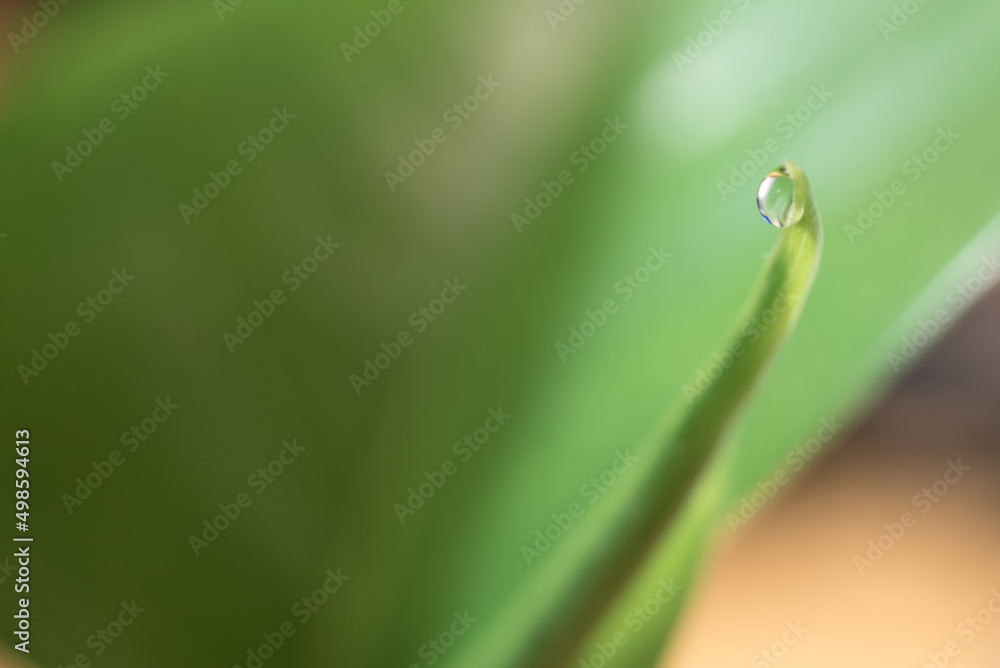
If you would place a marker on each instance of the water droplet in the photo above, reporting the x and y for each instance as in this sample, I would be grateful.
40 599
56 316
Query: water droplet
774 197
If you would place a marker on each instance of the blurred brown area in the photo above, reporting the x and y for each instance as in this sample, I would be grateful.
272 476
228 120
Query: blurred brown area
801 585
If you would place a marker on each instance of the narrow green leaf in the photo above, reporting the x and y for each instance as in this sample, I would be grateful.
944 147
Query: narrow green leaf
548 619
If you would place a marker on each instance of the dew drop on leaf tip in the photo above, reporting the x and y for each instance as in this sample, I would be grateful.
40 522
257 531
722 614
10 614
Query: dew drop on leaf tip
774 197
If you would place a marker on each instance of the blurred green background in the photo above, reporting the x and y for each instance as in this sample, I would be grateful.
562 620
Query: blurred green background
684 126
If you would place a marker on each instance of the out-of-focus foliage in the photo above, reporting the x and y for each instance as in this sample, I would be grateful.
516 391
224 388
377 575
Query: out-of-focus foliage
879 99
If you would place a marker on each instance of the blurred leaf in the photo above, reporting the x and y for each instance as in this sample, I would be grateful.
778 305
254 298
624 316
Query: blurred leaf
689 130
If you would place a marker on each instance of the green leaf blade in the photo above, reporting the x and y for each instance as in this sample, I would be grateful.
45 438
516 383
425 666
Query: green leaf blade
548 620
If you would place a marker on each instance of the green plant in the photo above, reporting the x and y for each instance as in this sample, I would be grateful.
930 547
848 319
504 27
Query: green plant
548 623
661 189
